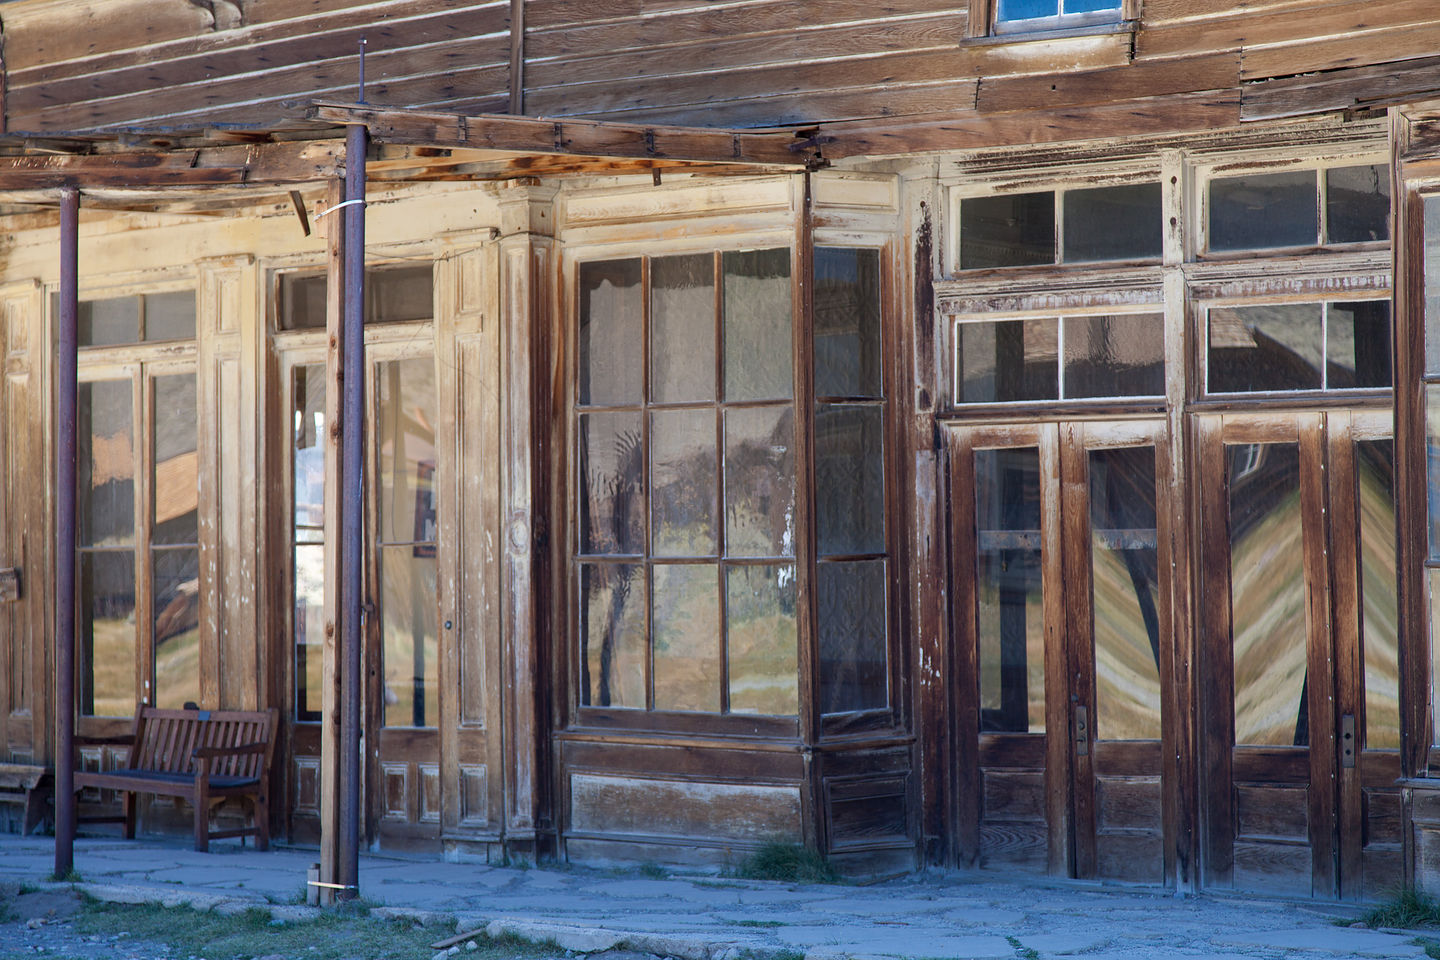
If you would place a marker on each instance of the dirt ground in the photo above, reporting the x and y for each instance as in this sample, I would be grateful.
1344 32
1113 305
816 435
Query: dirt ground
35 923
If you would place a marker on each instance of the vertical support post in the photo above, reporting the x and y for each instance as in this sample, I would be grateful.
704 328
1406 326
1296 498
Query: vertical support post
67 377
352 506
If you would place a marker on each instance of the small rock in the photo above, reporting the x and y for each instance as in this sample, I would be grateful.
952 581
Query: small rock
1358 925
277 921
472 945
442 955
454 951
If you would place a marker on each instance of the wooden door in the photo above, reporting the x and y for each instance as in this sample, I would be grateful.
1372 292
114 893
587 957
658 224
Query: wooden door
1062 614
1300 722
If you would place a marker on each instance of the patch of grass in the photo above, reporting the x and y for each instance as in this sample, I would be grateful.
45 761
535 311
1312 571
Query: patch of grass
70 876
1022 951
1409 908
758 923
789 862
345 931
652 870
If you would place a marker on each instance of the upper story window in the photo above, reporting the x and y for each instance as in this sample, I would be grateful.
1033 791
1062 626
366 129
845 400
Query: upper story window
1017 16
1298 208
1091 225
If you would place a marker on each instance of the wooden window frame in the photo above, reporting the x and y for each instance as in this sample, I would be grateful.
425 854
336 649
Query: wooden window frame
981 22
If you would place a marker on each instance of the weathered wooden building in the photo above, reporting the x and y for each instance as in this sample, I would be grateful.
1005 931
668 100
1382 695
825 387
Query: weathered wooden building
991 432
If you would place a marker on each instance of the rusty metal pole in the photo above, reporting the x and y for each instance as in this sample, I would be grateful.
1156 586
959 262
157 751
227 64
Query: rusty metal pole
352 506
67 378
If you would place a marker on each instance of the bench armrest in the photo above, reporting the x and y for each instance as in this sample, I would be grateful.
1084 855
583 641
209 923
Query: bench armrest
121 740
210 753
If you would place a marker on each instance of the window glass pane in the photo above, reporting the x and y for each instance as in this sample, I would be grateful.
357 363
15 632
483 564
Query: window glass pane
106 463
686 625
170 316
1357 344
760 482
176 486
103 322
1432 286
612 501
1357 203
301 303
405 438
409 607
1027 9
309 627
1124 584
757 325
612 635
760 639
308 415
850 618
1380 612
176 584
105 651
1267 594
1090 6
393 294
1115 356
683 485
1113 223
610 324
847 323
849 479
1271 347
1002 361
1264 210
1010 627
1432 467
682 328
1433 576
1007 231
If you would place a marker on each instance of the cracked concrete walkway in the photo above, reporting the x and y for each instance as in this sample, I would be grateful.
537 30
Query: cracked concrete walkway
952 914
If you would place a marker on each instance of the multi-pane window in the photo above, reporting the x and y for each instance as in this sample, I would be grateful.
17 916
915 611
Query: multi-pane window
1329 345
1431 386
1025 15
1089 225
1299 208
687 425
137 519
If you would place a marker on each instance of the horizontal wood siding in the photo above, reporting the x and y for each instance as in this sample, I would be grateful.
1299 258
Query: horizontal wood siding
166 63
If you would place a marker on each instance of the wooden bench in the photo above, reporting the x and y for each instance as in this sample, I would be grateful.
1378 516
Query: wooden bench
29 787
203 756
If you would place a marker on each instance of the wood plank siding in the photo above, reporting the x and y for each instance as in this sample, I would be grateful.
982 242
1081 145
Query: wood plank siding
890 77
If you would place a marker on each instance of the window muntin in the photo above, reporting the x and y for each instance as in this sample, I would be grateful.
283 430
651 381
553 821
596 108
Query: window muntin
1298 208
136 435
1088 356
394 293
1089 225
1313 346
1028 15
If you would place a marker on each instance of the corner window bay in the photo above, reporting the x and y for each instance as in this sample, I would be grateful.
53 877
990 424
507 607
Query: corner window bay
732 568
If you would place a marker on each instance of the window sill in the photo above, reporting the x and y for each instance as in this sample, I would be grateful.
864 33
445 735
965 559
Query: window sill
1115 28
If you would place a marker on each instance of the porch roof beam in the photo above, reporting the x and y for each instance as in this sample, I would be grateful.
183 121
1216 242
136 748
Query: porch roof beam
572 137
261 163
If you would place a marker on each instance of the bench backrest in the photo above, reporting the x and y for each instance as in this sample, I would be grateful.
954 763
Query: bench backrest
165 739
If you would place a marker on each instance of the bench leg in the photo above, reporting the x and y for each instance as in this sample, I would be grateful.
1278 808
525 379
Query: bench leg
262 822
202 818
129 806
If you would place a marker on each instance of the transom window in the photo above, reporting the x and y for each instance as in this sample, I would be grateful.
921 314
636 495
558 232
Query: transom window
1087 356
394 293
1091 225
1299 208
1331 345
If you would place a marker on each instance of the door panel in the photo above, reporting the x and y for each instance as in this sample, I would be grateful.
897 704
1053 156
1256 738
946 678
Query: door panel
1297 519
1060 607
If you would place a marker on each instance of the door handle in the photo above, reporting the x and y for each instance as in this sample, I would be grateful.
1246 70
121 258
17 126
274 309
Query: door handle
1082 731
1347 740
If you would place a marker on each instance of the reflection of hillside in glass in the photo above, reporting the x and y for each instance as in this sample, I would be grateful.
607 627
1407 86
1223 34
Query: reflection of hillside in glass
760 630
612 635
1124 574
1380 611
1267 594
686 629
